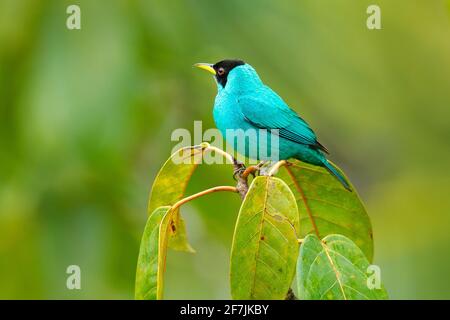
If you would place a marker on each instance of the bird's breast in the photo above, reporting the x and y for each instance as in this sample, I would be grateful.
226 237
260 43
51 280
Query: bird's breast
227 114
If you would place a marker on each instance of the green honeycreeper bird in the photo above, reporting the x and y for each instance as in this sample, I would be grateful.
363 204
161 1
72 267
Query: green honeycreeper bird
244 102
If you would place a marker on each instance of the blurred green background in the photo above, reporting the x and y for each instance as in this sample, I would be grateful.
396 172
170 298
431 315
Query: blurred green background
86 118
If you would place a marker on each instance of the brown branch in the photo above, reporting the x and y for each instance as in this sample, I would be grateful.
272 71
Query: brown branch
290 295
242 181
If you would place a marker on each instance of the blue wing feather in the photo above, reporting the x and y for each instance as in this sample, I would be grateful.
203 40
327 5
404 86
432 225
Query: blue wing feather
266 110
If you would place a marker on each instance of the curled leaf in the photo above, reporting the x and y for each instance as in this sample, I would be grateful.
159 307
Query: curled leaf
152 256
169 187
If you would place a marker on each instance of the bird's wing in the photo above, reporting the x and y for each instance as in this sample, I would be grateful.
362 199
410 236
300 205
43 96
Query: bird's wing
266 110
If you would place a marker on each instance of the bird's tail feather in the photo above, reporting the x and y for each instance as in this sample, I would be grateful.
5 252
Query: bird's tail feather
337 175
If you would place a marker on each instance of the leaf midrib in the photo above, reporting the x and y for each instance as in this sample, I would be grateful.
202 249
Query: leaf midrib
259 240
336 272
302 194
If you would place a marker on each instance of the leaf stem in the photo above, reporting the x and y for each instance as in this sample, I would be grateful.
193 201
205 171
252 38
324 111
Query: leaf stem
276 167
223 153
202 193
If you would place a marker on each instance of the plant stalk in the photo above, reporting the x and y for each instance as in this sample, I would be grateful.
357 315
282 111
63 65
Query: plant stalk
202 193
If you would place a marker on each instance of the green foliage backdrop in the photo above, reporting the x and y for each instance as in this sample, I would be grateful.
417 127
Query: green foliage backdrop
86 118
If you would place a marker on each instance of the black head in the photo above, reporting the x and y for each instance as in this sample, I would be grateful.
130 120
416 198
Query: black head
223 68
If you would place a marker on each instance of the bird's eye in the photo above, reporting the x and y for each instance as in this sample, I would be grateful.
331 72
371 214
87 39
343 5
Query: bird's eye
221 71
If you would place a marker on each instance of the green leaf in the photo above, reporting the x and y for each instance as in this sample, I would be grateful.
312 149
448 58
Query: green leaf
326 207
177 233
169 187
152 256
172 179
334 268
265 246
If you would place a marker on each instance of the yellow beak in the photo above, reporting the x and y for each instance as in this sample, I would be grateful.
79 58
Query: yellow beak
206 66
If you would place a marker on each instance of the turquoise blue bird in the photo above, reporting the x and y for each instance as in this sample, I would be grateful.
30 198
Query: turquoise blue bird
244 102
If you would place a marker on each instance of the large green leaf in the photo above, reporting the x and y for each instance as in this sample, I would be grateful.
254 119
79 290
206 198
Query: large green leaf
334 268
326 207
152 256
265 246
169 187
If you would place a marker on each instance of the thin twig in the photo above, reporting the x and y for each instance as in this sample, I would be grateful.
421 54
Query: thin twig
202 193
229 157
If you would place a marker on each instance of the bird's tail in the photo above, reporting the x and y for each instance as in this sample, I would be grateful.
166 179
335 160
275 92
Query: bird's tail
336 174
